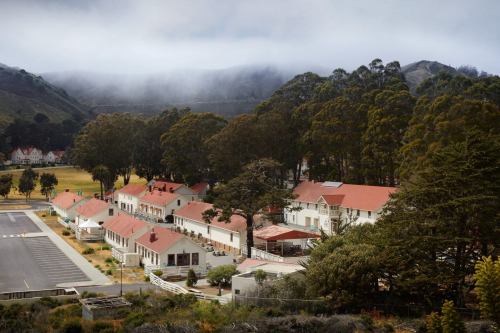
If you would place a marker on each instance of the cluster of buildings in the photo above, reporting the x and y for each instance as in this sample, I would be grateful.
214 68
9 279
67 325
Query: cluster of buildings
161 225
33 156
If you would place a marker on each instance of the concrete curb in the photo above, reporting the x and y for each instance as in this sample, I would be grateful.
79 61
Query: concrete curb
95 276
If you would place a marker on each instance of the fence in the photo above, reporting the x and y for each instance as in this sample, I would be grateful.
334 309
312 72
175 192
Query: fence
176 289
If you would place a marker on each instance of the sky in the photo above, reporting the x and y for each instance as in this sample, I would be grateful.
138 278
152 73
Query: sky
151 36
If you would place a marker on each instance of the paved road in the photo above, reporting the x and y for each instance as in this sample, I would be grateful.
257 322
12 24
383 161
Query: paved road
115 288
35 204
16 223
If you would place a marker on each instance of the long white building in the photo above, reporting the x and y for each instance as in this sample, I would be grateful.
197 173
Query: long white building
322 204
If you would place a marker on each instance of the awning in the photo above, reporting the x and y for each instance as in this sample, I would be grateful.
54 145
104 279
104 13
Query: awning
275 232
89 224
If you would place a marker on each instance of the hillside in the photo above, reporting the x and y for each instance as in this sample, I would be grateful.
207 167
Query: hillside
24 95
226 92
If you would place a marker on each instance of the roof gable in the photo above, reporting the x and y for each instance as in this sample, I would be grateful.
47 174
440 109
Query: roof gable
194 211
159 198
92 207
65 200
133 189
164 239
124 225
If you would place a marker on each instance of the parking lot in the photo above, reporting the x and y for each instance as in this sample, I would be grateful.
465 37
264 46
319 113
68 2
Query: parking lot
29 259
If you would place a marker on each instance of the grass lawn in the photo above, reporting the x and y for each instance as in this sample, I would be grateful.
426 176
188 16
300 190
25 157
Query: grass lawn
70 178
101 258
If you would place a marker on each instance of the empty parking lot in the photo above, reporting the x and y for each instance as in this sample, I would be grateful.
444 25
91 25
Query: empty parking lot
33 262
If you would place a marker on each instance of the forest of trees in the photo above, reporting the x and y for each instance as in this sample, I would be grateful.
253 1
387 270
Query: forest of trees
441 147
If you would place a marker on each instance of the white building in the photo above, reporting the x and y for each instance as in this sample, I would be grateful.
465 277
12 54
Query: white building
172 252
128 197
322 205
90 217
244 284
54 156
159 205
29 155
230 237
121 232
66 203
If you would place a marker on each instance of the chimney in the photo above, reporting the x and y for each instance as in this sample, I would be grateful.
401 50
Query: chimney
66 190
165 187
74 200
150 188
171 190
152 236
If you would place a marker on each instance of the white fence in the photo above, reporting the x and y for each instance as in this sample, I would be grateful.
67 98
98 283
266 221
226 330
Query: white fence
176 289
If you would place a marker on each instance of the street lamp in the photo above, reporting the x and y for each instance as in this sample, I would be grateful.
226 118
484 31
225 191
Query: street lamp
121 278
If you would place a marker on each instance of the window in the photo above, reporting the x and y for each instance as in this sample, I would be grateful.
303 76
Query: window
369 214
110 212
231 237
237 291
178 202
156 255
208 229
316 206
195 259
308 221
357 212
183 259
171 260
308 205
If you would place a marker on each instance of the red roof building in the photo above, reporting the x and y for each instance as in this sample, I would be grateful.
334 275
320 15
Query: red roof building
66 200
92 207
121 231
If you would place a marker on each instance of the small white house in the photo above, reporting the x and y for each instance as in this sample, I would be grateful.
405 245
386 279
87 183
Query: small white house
230 237
66 203
159 204
172 252
322 205
192 193
90 217
128 197
244 283
121 232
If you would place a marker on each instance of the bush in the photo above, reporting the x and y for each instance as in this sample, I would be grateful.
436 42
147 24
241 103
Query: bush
134 319
450 319
487 278
158 272
109 272
66 232
147 279
192 279
88 250
433 323
88 294
109 260
72 326
102 327
105 247
221 275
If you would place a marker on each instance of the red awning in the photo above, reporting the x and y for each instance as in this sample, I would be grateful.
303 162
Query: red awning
275 232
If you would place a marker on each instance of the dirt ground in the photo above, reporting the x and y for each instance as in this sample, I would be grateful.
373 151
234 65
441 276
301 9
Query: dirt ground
100 255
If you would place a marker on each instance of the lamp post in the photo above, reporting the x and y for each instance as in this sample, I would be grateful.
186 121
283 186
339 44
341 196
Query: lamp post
121 278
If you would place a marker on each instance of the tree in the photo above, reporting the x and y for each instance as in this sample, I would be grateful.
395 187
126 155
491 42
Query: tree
101 173
147 148
260 276
27 182
48 182
487 278
442 220
185 149
221 275
450 319
252 192
5 185
192 279
108 140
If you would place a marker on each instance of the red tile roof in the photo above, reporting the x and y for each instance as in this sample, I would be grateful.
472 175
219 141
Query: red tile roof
199 187
166 186
164 239
92 207
276 232
194 211
364 197
65 200
133 189
159 198
124 225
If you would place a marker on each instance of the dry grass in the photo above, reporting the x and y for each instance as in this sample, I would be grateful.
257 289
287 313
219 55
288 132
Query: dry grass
98 258
70 178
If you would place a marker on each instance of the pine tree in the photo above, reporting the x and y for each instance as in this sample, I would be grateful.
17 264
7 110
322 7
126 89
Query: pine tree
433 323
487 278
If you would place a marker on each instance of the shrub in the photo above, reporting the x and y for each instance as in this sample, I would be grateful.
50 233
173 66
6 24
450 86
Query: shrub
105 247
450 319
109 260
221 275
88 250
88 294
102 327
109 272
487 278
134 319
158 272
192 279
146 278
260 276
72 326
433 323
66 232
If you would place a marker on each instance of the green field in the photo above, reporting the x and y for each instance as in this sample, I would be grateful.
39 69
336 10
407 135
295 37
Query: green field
70 178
